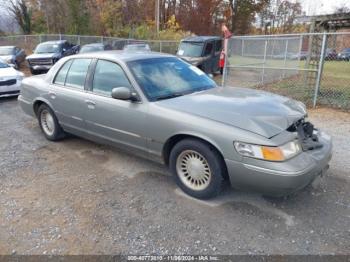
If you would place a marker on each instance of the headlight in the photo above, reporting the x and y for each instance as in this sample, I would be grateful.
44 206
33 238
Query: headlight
269 153
19 77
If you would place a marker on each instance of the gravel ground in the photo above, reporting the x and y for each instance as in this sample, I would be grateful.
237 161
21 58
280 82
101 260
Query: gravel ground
77 197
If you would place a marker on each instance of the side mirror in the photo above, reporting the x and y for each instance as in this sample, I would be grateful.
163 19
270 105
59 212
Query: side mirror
123 93
64 50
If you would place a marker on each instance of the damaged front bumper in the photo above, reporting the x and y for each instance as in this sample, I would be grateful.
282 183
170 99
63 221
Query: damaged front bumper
283 178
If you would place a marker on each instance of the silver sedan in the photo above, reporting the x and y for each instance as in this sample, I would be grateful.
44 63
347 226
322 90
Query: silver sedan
164 109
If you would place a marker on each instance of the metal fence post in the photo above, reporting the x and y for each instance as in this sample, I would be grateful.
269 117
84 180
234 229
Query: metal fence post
224 73
40 39
285 58
320 68
263 69
242 47
160 46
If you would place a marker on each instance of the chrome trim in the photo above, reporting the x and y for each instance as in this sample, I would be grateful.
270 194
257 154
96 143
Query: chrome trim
21 99
115 129
77 118
278 172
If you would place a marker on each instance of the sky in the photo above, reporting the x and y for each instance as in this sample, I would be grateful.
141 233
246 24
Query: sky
320 7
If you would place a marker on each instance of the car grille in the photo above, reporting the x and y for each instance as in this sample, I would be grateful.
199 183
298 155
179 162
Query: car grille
40 61
9 82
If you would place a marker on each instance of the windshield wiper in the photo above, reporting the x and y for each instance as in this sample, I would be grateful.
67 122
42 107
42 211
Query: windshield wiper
168 96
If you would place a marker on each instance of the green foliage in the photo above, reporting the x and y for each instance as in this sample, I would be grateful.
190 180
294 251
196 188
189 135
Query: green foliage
78 17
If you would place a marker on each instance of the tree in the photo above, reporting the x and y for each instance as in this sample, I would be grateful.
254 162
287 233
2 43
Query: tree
243 14
22 14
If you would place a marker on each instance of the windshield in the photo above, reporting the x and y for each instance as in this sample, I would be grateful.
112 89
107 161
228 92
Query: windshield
87 49
162 78
47 48
346 50
192 49
6 50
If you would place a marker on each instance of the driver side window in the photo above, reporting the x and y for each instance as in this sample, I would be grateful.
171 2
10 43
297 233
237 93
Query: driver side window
108 75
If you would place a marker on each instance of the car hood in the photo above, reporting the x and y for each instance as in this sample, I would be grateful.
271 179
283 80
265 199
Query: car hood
8 73
194 60
256 111
43 55
6 57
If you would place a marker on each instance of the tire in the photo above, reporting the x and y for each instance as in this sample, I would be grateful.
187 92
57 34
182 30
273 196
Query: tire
203 165
49 124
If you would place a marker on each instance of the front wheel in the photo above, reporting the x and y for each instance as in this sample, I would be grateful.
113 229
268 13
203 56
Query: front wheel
49 124
197 168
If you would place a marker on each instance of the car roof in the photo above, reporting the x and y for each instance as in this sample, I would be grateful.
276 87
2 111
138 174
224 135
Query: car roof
200 38
8 46
122 55
133 44
94 44
54 42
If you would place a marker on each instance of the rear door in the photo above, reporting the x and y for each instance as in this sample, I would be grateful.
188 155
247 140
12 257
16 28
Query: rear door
67 93
216 56
208 52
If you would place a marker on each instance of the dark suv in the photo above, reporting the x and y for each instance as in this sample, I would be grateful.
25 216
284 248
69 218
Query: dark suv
202 51
48 53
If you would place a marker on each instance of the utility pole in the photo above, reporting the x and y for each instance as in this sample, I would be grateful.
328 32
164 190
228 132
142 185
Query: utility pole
157 13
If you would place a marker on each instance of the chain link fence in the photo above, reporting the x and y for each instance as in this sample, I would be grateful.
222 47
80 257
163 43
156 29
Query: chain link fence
313 68
29 42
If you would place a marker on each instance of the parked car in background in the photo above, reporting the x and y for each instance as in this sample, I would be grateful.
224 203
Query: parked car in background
10 80
164 109
330 54
202 51
344 54
95 47
137 47
12 55
302 55
48 53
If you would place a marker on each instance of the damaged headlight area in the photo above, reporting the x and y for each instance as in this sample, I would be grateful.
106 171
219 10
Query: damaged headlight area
269 153
307 135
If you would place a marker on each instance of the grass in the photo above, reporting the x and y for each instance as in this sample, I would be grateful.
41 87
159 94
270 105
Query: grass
335 83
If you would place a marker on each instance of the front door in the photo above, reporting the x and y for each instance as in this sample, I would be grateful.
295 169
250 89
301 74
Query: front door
121 122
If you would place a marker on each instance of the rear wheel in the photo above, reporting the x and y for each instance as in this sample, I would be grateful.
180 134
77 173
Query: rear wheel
197 168
49 124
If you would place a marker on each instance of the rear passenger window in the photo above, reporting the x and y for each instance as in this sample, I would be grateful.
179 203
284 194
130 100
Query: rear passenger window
208 48
61 75
108 75
77 73
218 46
